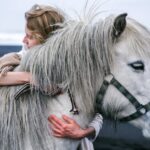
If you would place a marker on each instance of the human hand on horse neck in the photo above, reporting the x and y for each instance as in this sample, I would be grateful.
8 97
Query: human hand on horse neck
68 128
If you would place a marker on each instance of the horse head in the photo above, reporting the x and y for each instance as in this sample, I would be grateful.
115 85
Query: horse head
124 94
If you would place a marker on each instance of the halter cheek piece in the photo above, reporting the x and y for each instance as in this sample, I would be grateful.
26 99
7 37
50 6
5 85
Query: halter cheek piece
52 93
74 108
140 109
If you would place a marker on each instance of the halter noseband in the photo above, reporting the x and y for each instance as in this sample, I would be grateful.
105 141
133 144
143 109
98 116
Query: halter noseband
140 109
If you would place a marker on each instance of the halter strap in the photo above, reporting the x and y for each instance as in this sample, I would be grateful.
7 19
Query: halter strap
74 108
53 92
140 109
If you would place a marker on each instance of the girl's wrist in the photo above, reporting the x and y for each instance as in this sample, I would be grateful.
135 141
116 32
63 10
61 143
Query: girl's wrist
88 132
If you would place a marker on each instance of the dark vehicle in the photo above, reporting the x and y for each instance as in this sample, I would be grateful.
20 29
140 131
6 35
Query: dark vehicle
120 136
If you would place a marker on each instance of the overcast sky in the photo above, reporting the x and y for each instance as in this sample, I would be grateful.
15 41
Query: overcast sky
12 11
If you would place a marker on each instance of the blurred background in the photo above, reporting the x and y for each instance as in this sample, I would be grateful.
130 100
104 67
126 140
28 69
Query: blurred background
13 22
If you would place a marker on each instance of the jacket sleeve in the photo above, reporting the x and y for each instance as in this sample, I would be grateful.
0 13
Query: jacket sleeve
11 59
96 123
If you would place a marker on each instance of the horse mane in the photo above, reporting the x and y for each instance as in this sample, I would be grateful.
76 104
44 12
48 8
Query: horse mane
77 55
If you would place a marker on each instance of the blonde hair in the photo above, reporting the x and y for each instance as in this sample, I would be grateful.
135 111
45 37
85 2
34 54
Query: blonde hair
42 20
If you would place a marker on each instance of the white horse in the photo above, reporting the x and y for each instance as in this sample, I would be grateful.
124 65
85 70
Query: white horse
79 55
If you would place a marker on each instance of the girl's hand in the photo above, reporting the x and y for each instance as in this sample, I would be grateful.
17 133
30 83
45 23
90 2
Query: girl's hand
67 128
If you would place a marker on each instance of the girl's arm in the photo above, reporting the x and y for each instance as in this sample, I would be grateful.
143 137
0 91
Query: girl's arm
14 78
69 128
96 123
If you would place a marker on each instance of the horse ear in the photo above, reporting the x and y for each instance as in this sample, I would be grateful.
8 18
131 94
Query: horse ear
119 25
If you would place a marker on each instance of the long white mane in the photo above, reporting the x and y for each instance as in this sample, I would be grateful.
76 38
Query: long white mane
77 55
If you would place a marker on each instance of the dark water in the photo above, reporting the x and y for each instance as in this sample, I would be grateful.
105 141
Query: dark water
9 48
122 137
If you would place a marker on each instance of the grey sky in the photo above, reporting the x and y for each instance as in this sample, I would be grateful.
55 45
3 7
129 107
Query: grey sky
12 11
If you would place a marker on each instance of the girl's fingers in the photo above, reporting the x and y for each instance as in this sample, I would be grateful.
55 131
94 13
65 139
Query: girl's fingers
57 131
68 119
55 125
58 135
56 120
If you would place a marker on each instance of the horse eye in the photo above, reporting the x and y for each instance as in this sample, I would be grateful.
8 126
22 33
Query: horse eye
137 66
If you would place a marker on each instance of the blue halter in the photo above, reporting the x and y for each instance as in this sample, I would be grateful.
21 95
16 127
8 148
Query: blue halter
140 109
